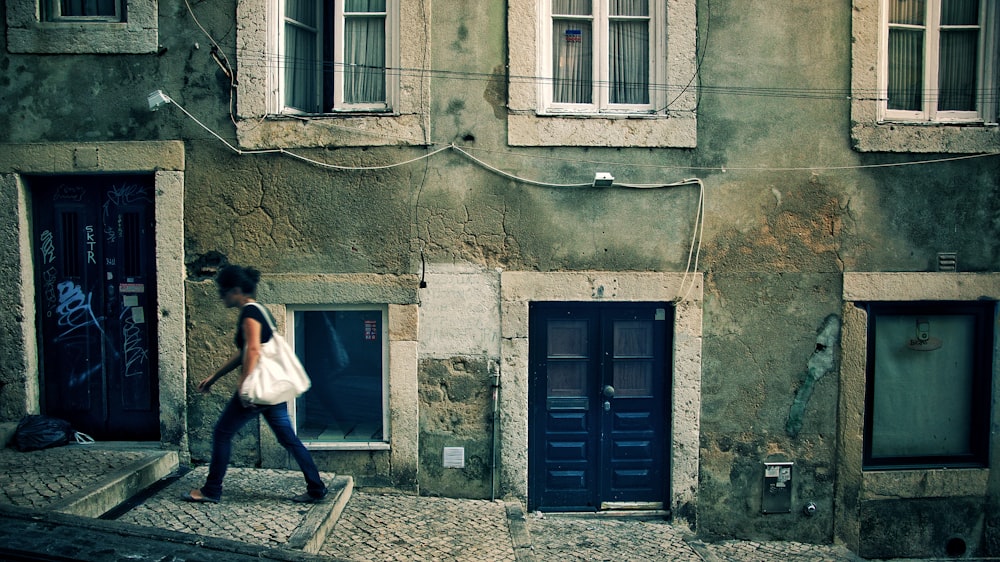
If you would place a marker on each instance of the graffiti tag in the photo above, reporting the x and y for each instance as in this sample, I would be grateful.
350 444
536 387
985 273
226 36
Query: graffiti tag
135 354
48 247
74 310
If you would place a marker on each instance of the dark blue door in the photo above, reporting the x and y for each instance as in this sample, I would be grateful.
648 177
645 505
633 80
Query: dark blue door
94 263
598 392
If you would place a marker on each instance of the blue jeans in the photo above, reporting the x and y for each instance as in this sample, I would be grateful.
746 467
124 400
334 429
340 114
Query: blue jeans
235 416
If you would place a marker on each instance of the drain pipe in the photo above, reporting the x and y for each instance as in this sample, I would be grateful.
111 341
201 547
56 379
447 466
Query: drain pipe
495 384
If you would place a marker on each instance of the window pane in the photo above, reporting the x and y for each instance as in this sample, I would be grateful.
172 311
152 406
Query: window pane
572 7
567 338
364 6
302 12
629 65
633 339
959 12
957 72
300 54
923 387
567 378
73 8
633 378
572 62
364 59
906 69
342 352
907 11
629 7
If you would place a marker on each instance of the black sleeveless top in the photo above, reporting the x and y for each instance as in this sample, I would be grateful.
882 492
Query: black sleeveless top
252 311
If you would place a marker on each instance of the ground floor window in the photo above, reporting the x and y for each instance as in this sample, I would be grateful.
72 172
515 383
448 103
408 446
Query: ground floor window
929 384
344 350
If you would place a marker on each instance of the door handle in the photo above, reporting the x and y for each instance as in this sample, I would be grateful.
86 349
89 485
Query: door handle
609 391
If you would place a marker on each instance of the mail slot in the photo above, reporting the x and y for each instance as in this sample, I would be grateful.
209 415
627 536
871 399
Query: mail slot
777 487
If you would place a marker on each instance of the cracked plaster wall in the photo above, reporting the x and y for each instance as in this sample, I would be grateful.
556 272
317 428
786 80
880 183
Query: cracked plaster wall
776 241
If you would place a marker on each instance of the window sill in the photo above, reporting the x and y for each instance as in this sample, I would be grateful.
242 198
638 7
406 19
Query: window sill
925 137
26 34
346 446
924 483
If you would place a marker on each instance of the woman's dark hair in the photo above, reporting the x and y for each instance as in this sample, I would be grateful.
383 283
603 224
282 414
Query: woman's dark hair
231 276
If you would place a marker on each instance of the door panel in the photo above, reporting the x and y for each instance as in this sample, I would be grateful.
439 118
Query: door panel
94 268
598 392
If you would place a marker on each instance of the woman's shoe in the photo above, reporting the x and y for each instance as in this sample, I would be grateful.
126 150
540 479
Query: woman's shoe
199 498
307 498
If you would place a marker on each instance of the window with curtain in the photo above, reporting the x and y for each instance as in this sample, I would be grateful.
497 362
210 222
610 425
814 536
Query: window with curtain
336 54
600 55
929 384
939 59
83 10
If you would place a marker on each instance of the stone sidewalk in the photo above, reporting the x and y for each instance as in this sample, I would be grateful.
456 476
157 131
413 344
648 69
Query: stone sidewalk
256 519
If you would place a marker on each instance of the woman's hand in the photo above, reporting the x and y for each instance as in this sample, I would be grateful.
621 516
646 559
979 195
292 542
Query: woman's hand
206 385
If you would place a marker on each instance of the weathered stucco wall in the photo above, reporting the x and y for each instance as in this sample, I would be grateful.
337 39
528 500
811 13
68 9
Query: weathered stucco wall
790 207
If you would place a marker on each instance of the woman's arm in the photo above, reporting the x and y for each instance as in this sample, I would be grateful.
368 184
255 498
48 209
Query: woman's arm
251 350
234 361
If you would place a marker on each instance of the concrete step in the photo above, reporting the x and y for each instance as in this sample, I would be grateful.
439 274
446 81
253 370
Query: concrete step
118 486
320 520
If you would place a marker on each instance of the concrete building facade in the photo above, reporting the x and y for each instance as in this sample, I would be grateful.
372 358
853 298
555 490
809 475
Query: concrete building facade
773 226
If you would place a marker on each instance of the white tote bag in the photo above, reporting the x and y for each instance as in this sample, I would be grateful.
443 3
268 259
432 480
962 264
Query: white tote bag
278 376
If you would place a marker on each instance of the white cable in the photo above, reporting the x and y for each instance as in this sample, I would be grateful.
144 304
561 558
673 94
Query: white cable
699 217
298 156
510 176
699 228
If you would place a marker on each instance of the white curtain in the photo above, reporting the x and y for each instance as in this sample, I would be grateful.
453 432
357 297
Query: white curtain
906 55
959 56
629 52
922 399
301 36
572 52
364 51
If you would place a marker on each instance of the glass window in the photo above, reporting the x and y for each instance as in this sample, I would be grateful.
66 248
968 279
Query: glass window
929 384
335 54
600 53
344 353
83 10
937 58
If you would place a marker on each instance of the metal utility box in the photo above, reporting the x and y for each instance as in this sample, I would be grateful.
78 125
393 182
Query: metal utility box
777 487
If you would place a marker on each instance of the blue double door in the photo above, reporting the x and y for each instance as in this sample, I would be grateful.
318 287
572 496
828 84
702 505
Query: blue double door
599 396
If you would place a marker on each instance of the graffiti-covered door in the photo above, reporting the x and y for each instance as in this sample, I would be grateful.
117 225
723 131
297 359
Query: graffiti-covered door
94 264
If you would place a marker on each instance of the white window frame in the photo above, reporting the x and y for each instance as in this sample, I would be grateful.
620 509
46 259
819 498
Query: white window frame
383 444
985 75
600 24
276 33
53 12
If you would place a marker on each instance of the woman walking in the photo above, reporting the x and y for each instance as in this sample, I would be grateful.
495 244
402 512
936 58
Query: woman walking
238 288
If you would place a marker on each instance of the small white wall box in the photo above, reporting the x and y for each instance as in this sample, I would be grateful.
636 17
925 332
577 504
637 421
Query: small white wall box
454 457
777 488
603 179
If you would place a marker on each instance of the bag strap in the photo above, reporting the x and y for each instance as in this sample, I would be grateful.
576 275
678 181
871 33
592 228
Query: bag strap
267 316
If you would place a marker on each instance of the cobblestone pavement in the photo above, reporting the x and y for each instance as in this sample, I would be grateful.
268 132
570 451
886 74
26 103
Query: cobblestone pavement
561 537
256 506
402 527
39 478
257 512
751 551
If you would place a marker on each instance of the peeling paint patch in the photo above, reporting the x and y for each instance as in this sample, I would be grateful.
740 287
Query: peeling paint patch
820 363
